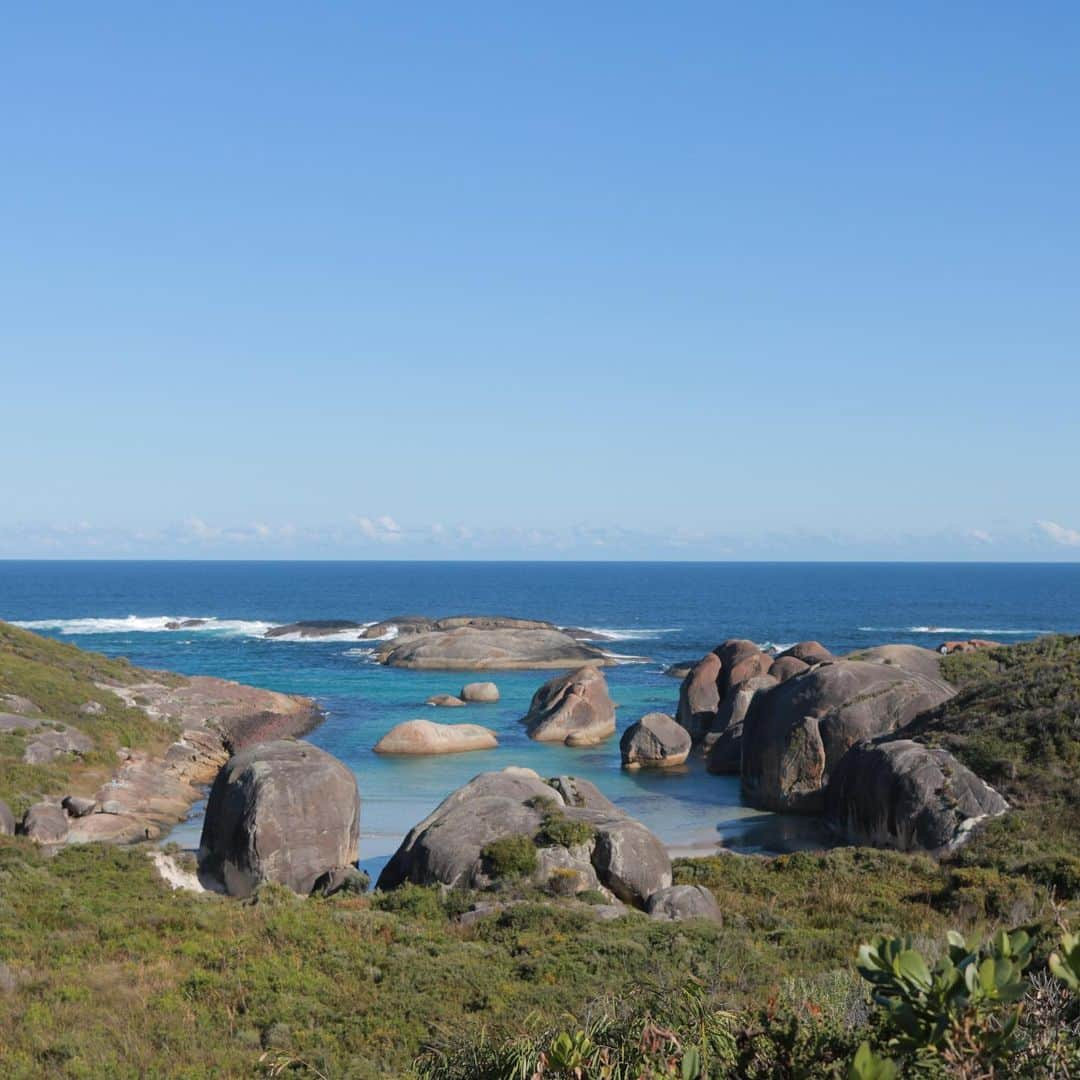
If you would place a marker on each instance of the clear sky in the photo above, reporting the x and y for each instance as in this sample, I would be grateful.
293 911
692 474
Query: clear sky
446 280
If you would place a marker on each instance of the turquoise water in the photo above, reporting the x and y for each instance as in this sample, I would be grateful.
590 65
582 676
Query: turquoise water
658 613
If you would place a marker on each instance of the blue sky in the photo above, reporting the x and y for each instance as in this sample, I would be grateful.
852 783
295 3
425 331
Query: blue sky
566 280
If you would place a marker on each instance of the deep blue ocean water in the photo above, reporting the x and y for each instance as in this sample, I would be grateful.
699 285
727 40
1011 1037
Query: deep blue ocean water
657 612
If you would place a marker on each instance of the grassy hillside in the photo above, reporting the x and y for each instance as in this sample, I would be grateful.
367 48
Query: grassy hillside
60 679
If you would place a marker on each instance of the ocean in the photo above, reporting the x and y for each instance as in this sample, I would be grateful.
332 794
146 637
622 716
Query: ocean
654 613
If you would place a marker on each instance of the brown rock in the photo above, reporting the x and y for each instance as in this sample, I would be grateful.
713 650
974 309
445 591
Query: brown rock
445 701
656 741
786 667
741 660
427 737
809 652
699 697
574 709
481 693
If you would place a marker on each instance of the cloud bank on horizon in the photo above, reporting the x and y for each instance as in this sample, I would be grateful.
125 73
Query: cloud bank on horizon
383 537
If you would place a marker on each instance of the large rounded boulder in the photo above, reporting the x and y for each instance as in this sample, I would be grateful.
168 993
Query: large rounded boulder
512 825
796 734
699 697
809 652
480 693
740 660
904 795
574 709
427 737
909 657
656 741
725 742
284 812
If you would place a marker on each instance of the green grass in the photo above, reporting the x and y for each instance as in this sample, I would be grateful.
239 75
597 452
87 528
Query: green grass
59 679
1016 723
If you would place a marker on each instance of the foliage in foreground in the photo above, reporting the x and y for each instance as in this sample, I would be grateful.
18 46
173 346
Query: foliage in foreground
973 1014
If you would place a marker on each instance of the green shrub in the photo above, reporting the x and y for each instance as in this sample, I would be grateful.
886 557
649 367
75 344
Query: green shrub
510 856
557 830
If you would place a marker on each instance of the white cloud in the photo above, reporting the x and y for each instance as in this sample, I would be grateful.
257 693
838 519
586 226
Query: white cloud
383 530
1059 533
981 535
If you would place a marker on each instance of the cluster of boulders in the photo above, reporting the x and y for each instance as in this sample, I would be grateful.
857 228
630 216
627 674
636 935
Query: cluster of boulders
809 732
561 834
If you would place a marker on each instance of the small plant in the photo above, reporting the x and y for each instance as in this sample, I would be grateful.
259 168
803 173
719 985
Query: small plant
1065 965
964 1011
510 856
557 830
564 881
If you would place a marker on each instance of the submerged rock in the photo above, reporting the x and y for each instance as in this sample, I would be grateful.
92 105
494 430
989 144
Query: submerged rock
574 708
470 648
282 811
445 701
427 737
904 795
546 828
313 628
797 733
656 741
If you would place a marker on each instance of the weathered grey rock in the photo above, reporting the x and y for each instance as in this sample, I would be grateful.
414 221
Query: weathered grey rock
656 741
185 624
447 847
282 811
45 823
699 697
79 807
574 709
809 652
313 628
725 749
679 902
797 733
904 795
91 708
924 662
47 744
787 667
481 693
111 829
17 704
469 648
406 625
445 701
427 737
741 660
111 806
629 860
343 879
7 820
